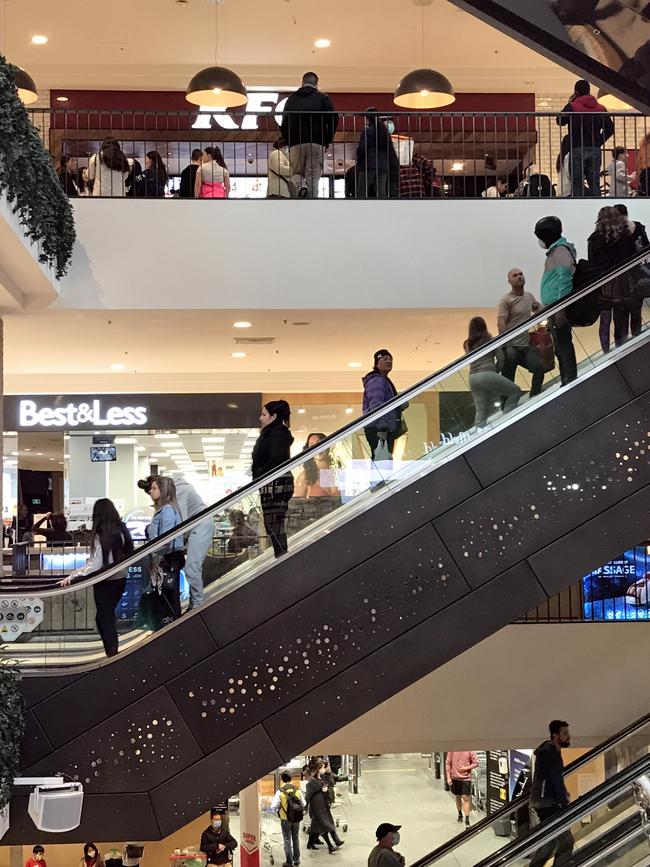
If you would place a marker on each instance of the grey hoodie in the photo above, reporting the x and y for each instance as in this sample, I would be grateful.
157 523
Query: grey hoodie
189 502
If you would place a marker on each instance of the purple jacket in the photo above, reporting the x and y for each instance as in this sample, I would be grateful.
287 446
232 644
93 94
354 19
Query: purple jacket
378 389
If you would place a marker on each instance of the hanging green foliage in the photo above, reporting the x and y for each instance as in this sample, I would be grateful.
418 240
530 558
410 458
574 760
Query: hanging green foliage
12 727
28 178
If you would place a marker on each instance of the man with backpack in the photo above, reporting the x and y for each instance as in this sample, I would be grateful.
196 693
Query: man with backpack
289 804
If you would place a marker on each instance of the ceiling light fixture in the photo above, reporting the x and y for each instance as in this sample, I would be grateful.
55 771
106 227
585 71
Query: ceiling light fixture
117 366
242 324
62 99
216 85
423 89
140 449
25 86
238 354
166 436
322 43
39 39
354 364
125 441
349 411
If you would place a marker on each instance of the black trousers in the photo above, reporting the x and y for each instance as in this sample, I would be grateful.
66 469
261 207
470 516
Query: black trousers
107 596
564 350
174 562
562 846
373 440
274 499
528 358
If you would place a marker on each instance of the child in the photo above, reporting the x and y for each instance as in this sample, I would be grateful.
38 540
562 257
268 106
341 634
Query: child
38 858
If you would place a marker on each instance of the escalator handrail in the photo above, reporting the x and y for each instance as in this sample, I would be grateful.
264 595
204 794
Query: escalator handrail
570 815
151 547
524 800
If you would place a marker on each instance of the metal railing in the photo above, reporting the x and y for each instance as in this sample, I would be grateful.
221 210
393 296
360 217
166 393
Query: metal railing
423 155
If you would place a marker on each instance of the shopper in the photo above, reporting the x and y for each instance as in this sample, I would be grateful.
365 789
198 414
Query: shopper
458 769
188 176
242 536
612 244
515 308
535 184
279 183
485 381
330 778
271 450
589 128
643 166
289 803
557 282
563 167
151 183
212 179
56 530
38 858
378 388
109 169
166 564
619 182
216 841
199 539
384 854
91 856
322 823
549 795
377 162
308 126
498 190
416 180
68 176
316 479
110 543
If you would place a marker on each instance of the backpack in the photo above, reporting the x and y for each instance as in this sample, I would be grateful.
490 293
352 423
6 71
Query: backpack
294 810
585 311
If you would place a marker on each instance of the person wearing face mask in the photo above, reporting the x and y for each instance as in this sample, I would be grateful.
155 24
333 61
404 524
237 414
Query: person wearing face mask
216 840
549 795
377 160
317 798
91 857
384 854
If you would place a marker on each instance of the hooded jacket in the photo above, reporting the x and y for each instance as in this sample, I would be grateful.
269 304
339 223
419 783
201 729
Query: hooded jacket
189 502
589 124
548 789
559 268
302 120
377 390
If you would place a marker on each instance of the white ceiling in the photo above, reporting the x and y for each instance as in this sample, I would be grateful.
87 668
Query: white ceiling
157 44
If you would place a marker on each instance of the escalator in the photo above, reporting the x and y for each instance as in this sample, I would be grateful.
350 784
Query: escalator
413 562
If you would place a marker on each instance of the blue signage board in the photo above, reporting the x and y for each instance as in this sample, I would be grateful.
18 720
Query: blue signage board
619 590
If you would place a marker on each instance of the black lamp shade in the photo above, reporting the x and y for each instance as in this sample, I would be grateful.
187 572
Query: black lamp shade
217 85
423 89
25 86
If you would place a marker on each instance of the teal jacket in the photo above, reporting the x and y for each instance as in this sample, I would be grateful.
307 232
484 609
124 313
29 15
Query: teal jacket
559 268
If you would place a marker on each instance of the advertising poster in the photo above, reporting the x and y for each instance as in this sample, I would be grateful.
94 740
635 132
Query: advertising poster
619 590
519 762
498 780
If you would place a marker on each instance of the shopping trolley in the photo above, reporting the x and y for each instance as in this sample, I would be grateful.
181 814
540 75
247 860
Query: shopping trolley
271 834
339 808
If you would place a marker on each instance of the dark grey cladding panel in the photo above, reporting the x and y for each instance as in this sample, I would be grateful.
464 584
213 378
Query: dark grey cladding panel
308 643
213 779
556 421
635 368
35 743
115 817
327 558
549 497
133 751
593 543
126 679
38 688
411 656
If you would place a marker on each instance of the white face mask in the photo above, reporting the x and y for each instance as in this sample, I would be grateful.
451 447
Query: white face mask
390 126
541 244
216 824
396 838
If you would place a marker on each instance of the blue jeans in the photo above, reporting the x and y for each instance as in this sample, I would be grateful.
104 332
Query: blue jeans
291 837
585 165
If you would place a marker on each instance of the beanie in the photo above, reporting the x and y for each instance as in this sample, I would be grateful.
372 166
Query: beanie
549 230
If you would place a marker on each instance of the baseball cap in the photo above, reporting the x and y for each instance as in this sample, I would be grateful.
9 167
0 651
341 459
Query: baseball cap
386 828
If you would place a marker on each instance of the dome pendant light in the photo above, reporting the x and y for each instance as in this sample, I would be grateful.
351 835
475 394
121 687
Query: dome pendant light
422 89
216 85
25 85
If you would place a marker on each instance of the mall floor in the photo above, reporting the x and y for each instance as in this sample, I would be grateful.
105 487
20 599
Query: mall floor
399 789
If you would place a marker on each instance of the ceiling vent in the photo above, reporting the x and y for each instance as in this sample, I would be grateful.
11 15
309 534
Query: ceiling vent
253 341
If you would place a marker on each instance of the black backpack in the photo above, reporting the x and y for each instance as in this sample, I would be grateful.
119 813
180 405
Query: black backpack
585 311
295 812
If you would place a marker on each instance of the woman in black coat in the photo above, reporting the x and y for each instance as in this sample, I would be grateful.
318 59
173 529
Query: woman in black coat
322 823
272 449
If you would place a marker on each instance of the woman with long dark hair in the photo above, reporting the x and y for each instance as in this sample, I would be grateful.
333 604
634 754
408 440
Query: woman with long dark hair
212 179
110 543
109 169
318 800
168 561
149 184
91 857
68 176
313 479
273 447
485 381
377 160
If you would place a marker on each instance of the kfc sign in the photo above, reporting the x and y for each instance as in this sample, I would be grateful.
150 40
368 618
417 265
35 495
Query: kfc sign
259 102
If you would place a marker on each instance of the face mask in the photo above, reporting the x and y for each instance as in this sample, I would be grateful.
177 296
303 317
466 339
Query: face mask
541 243
390 126
216 824
396 838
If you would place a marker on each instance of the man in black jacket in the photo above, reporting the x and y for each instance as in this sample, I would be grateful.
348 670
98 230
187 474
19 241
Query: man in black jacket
549 795
217 843
188 175
308 126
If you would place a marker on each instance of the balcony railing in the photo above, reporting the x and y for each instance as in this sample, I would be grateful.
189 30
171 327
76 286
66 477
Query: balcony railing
434 155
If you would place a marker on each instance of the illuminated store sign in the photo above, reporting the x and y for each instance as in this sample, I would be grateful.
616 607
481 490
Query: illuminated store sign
72 415
259 102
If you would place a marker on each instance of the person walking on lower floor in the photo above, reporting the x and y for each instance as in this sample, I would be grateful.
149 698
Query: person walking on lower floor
289 803
322 823
515 308
557 283
308 126
458 768
486 383
549 795
110 543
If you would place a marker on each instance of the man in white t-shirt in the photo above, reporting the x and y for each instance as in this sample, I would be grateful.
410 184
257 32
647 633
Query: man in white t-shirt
513 309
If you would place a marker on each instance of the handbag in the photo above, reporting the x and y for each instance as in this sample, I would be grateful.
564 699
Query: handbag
154 610
542 343
293 193
163 576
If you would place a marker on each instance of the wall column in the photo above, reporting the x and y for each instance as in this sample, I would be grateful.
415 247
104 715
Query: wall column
251 832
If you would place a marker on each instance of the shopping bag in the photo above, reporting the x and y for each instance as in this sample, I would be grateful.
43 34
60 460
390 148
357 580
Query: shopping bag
382 452
154 610
542 342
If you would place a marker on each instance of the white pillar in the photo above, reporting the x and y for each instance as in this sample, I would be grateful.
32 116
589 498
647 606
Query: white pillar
251 830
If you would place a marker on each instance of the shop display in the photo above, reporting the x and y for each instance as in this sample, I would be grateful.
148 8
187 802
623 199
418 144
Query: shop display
619 590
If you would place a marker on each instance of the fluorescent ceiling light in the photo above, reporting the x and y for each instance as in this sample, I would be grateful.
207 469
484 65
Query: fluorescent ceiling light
140 449
214 439
322 43
242 324
166 436
238 355
159 455
125 441
39 39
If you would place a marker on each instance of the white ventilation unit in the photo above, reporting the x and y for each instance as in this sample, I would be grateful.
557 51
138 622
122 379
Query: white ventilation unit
56 808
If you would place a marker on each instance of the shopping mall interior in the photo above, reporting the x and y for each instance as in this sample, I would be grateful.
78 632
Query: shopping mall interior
322 502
